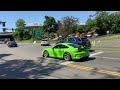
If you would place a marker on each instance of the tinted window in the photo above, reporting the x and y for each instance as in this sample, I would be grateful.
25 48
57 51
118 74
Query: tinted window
74 45
78 39
84 39
63 46
65 39
71 39
60 46
44 40
57 46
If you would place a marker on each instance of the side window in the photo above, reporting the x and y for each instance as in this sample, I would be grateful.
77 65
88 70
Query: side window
65 39
63 46
57 46
71 39
79 39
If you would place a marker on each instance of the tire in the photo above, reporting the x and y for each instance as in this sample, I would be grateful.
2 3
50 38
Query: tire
41 45
45 54
67 56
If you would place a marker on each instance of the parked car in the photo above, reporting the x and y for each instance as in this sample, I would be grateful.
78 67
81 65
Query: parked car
82 40
45 42
12 44
67 51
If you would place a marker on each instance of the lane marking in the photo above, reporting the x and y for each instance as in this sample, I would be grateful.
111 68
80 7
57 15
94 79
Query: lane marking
67 62
107 57
94 69
95 54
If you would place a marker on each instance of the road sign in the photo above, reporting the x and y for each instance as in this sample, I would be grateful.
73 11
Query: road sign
37 33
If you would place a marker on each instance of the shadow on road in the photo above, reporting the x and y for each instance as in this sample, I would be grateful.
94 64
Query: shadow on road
84 60
91 50
27 69
4 55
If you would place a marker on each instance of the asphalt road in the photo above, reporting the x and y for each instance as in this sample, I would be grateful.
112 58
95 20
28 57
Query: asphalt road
25 62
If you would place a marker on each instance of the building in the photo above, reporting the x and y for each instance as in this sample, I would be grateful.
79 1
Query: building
82 24
31 26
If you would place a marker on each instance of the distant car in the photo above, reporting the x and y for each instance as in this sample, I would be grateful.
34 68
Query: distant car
82 40
12 44
89 35
44 42
67 51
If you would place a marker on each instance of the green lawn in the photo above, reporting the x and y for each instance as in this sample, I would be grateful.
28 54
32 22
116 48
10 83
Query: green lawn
113 48
107 38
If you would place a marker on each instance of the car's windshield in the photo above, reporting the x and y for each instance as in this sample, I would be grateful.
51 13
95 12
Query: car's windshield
44 40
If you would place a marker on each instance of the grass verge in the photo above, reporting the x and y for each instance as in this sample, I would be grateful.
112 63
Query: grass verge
107 38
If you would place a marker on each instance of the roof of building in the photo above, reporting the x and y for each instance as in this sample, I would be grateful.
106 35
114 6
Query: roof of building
82 23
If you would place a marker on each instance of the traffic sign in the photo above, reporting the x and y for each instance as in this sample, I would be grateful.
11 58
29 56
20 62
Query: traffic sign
37 33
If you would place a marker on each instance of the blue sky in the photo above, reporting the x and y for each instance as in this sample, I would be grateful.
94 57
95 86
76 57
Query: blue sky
10 17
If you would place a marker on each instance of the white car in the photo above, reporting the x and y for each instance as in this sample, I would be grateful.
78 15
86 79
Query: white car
44 42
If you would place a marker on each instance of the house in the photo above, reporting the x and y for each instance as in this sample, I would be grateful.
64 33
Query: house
31 26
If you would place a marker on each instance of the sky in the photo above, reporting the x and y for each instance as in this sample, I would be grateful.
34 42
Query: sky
10 17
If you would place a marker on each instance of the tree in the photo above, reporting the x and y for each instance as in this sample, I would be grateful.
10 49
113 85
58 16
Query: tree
99 22
26 34
20 25
50 24
66 26
102 22
78 28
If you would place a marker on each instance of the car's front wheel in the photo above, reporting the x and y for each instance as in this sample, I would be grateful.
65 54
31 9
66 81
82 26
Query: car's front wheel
67 57
45 54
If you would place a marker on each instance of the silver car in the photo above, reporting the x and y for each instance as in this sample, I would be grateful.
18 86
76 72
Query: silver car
45 42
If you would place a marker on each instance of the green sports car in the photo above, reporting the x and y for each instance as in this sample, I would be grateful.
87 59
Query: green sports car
67 51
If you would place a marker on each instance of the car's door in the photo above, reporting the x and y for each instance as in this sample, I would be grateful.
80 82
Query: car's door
58 50
63 49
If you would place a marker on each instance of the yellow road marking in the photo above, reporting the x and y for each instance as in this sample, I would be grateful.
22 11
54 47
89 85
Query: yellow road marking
94 70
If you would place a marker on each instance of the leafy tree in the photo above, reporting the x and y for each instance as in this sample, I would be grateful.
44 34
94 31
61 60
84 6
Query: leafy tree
26 34
66 26
20 24
99 22
78 28
50 24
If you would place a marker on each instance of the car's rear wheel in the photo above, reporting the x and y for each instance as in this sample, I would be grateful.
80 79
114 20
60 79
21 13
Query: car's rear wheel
45 54
67 57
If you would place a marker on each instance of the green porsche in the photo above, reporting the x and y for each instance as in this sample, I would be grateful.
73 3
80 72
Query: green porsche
66 51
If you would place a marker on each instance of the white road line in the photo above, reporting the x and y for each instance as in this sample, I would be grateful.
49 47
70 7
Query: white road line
67 62
95 54
107 57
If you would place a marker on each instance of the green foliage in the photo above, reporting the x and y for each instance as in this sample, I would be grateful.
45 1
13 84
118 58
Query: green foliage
78 28
50 24
19 33
104 21
26 34
20 24
66 26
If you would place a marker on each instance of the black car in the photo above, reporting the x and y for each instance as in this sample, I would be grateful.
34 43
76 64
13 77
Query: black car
12 44
82 40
